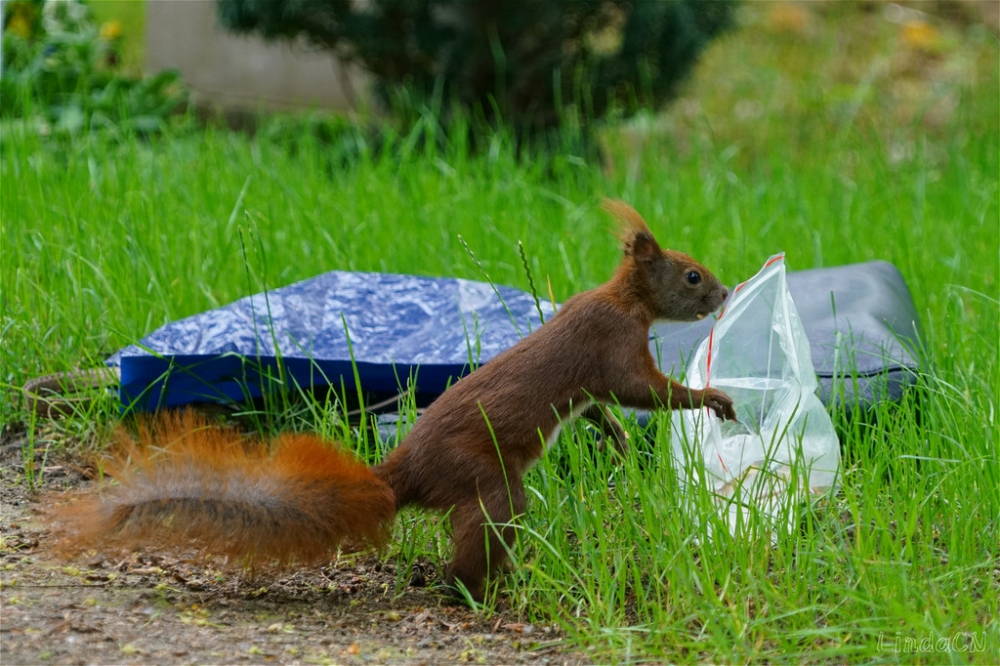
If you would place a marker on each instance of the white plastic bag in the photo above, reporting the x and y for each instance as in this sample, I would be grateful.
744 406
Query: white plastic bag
784 447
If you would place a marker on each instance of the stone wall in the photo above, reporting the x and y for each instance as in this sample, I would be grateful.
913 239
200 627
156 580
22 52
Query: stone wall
244 73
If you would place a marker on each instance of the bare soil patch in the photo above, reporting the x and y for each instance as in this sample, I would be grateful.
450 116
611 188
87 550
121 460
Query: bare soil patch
150 608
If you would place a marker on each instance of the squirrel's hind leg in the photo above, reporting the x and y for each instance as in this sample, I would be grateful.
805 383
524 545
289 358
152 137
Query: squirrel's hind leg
483 534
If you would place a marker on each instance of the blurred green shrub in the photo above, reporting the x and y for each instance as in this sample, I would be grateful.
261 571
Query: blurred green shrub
528 65
63 70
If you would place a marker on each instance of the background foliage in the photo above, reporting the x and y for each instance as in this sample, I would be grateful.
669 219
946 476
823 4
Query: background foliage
63 72
526 65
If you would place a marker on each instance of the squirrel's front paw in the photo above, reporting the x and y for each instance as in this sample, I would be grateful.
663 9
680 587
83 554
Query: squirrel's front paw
720 403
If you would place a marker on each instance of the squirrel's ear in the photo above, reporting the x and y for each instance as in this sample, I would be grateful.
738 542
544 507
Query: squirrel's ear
637 240
644 247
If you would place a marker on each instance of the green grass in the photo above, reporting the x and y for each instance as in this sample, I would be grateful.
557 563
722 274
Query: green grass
105 239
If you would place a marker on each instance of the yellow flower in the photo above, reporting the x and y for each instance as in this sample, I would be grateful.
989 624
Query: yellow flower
111 30
920 35
788 17
19 25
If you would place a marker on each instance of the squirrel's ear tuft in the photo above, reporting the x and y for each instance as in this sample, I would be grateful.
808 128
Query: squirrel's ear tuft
637 240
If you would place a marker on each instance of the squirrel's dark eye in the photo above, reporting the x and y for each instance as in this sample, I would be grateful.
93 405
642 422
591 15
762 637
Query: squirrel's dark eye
693 277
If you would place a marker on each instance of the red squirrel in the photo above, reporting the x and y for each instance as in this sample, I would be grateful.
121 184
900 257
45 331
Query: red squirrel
467 454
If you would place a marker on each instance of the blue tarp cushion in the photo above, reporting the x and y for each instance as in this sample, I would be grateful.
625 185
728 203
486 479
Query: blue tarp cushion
394 326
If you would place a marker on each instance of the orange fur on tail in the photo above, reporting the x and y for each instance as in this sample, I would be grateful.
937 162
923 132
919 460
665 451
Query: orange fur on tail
190 485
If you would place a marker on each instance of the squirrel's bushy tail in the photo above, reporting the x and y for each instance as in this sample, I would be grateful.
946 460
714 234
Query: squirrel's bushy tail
191 485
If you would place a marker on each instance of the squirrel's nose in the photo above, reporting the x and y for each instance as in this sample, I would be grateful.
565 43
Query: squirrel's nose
725 293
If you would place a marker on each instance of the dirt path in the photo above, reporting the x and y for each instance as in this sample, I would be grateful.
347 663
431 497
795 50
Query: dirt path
162 610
